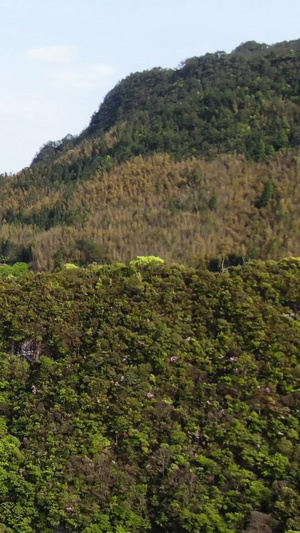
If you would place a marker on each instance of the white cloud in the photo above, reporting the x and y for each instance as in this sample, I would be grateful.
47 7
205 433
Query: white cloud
52 54
85 77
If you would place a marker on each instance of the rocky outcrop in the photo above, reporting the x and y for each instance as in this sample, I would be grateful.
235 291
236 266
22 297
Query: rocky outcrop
29 350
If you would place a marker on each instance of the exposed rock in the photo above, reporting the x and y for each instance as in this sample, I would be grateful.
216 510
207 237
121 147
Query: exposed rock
29 350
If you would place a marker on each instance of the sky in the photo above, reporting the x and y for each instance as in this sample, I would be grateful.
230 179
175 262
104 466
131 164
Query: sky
59 58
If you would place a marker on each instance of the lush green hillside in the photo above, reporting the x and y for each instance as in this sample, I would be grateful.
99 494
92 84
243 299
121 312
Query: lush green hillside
149 398
247 102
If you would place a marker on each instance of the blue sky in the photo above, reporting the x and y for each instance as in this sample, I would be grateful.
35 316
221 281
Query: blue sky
58 58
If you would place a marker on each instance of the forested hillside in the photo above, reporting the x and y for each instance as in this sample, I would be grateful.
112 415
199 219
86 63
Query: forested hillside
245 102
141 395
194 164
186 212
144 397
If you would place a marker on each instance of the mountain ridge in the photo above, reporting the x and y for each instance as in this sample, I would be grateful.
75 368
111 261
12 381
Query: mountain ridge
112 109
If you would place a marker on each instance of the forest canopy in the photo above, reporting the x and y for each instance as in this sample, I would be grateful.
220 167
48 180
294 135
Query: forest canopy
145 397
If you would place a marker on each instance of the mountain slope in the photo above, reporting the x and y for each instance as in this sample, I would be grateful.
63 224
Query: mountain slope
244 104
182 211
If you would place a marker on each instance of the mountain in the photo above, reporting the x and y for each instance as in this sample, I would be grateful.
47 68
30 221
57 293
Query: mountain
245 102
141 395
144 397
192 164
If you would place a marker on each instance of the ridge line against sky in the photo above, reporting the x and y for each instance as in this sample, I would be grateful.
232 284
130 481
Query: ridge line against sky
58 59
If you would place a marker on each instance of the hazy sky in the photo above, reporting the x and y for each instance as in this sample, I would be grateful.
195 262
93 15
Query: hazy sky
58 58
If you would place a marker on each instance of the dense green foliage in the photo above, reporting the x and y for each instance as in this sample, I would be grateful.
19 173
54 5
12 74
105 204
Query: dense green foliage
246 101
18 269
145 397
